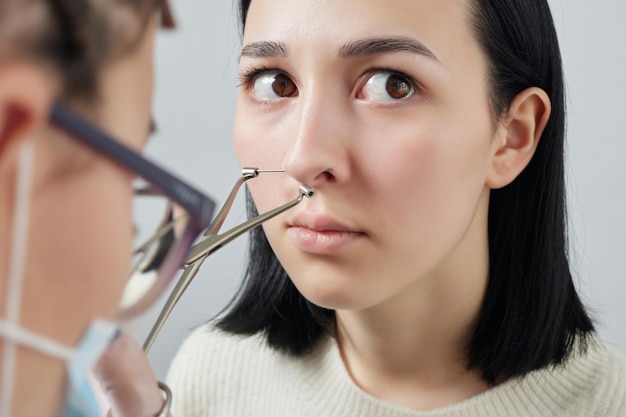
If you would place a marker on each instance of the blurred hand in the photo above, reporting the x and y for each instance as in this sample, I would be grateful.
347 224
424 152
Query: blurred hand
126 378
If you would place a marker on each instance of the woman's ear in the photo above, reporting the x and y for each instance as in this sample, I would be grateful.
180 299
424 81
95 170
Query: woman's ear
25 99
518 135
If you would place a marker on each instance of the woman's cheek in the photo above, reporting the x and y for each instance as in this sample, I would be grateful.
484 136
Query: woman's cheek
257 149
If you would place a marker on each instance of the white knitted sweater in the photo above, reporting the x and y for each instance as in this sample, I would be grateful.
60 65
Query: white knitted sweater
220 375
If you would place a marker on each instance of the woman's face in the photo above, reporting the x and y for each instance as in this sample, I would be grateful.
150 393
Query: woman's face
382 107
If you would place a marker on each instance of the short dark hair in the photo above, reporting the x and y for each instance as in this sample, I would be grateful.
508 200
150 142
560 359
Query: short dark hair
74 38
532 316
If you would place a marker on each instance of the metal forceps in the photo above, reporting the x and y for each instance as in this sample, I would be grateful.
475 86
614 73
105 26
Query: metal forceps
212 241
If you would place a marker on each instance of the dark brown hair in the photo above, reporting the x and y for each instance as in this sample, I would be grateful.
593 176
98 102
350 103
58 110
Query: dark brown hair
532 316
73 38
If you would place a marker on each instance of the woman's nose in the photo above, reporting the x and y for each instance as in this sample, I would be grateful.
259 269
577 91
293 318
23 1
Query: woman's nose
318 152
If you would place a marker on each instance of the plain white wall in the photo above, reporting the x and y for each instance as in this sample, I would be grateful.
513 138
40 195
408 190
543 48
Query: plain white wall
195 101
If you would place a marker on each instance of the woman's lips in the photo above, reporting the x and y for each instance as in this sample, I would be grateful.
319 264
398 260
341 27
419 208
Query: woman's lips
321 237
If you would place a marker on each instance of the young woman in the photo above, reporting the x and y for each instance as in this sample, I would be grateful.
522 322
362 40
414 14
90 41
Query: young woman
75 106
428 276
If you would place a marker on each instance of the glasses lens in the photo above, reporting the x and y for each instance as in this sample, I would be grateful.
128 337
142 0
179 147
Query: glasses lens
163 235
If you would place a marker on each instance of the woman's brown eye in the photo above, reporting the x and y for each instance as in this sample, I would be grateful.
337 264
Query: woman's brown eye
272 85
386 87
283 86
398 87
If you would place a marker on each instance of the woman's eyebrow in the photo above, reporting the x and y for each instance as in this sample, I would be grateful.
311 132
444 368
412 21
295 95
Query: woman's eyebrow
380 45
264 49
361 47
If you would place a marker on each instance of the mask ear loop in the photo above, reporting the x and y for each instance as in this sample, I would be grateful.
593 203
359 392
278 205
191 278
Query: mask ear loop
16 269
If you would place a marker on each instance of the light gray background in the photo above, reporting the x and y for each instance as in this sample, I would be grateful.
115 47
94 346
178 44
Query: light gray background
195 101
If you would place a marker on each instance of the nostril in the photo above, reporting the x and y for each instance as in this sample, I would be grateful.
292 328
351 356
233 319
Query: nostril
328 173
312 172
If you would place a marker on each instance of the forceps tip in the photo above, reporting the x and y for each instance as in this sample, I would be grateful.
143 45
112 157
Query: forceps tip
249 172
306 191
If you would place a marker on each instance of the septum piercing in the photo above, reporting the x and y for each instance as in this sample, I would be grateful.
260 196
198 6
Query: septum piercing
282 170
249 172
256 171
270 170
305 190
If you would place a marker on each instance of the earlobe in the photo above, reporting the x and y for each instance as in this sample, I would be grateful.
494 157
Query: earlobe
518 136
25 98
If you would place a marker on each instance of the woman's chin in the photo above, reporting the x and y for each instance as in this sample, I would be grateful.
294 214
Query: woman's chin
334 296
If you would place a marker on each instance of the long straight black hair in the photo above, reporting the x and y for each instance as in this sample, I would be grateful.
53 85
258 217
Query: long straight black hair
532 316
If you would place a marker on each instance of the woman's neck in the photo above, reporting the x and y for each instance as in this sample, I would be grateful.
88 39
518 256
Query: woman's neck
412 350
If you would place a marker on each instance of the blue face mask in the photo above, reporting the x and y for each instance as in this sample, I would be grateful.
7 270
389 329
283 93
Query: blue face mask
80 397
80 400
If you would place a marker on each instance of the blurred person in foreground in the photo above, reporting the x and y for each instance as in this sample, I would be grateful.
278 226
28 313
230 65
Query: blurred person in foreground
76 86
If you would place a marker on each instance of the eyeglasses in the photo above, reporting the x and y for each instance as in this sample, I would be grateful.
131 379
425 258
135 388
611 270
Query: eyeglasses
198 208
187 213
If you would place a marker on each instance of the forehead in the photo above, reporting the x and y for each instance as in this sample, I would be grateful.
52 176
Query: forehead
442 25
